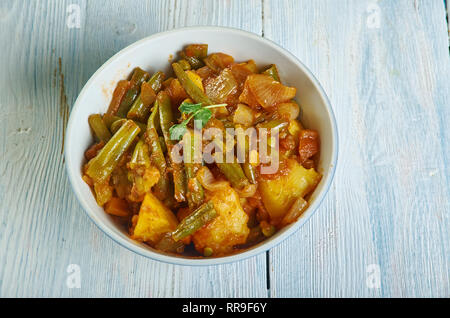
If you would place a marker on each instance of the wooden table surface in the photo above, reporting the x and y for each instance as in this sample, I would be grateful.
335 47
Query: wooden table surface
383 229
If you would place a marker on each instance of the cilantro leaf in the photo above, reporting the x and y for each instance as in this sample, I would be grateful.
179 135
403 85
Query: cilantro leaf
203 115
188 108
199 113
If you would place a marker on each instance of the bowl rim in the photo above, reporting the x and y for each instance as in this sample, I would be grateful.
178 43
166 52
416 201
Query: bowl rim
258 249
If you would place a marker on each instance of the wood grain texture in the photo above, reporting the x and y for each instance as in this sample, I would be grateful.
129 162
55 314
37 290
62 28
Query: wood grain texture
389 203
42 227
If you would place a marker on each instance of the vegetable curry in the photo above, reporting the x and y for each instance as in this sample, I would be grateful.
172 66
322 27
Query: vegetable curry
147 170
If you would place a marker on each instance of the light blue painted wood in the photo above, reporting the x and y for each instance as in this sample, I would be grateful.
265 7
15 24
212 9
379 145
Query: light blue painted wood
389 206
390 200
42 227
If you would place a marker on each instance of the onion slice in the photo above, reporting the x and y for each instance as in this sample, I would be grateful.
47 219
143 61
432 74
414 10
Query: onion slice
269 92
295 211
206 179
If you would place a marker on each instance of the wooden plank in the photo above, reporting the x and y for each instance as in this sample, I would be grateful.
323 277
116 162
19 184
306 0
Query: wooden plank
42 227
388 83
390 200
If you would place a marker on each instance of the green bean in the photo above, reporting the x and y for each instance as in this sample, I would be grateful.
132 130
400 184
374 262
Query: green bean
179 180
194 54
166 118
139 76
101 166
156 81
140 155
249 171
157 154
163 144
99 128
197 50
234 173
139 110
195 62
191 89
139 162
196 220
275 124
110 119
273 72
167 244
247 167
115 126
167 121
194 193
184 64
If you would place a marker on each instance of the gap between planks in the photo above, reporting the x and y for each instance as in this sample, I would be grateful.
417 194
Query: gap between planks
267 252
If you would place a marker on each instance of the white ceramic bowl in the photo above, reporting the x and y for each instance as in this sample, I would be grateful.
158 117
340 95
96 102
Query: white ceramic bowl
153 53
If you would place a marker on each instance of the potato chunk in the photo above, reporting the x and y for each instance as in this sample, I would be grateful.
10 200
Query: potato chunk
279 194
228 229
154 220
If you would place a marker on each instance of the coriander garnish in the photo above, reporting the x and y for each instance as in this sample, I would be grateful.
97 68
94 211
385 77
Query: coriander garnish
198 112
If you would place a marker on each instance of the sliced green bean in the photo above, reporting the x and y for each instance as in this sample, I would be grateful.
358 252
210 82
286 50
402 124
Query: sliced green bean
110 119
139 111
139 76
166 121
234 173
275 124
140 156
99 128
163 144
273 72
115 126
166 118
157 154
249 171
184 64
101 166
195 194
196 220
156 81
167 244
191 89
195 62
247 167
